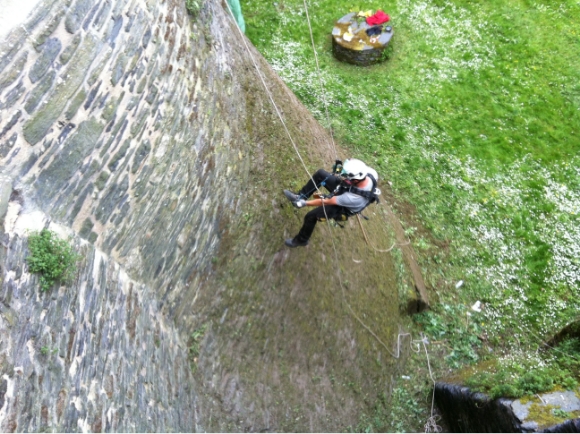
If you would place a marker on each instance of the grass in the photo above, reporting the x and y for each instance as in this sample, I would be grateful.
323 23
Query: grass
475 120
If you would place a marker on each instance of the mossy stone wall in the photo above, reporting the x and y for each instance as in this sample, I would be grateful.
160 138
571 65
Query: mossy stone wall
146 134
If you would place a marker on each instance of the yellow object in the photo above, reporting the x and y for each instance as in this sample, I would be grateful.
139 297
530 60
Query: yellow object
347 36
365 14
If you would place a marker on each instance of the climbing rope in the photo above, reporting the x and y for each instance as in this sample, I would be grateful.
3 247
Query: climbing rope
243 38
320 83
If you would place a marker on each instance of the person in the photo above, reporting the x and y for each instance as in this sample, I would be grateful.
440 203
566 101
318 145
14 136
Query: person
351 192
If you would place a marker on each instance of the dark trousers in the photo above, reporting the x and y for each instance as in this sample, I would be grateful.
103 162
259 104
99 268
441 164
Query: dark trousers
330 182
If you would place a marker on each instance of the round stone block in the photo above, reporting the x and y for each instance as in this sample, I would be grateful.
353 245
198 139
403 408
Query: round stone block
356 42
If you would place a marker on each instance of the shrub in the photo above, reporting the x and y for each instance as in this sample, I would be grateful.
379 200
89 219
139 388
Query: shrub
193 6
51 258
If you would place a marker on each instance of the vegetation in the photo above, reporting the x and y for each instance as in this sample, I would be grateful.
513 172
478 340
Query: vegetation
194 343
474 119
193 6
53 259
518 375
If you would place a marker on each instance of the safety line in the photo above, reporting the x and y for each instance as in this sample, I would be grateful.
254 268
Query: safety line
431 424
322 93
243 38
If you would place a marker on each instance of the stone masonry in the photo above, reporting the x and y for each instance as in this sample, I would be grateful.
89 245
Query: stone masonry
144 133
113 116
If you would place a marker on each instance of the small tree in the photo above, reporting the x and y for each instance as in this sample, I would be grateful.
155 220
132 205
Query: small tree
51 258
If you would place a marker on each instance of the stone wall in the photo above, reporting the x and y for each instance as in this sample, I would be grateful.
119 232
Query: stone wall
94 357
146 135
115 116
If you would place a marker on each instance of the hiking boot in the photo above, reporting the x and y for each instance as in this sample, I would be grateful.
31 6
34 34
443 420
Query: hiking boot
293 242
292 197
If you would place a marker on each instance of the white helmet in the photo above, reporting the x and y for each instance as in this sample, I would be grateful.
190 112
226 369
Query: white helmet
354 169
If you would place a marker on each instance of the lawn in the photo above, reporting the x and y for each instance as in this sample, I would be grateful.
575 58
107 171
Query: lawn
474 119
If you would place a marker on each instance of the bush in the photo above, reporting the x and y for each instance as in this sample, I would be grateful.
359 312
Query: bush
193 6
51 258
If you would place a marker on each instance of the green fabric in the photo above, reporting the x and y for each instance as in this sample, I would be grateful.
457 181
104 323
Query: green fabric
237 11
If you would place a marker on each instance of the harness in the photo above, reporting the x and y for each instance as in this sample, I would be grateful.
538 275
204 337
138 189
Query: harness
372 195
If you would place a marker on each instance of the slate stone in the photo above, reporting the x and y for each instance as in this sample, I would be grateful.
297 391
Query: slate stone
142 152
133 102
14 72
13 96
56 176
38 93
76 15
90 17
103 100
38 125
74 105
48 52
40 13
70 49
28 165
112 199
152 94
5 192
48 29
529 427
566 400
10 123
139 123
79 202
92 95
146 37
11 46
51 149
116 134
65 132
86 228
102 180
118 24
131 16
118 69
142 85
102 15
97 71
114 163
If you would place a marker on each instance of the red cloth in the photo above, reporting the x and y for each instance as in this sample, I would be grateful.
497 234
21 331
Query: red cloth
379 18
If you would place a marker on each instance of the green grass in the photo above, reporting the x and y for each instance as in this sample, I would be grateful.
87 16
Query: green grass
475 120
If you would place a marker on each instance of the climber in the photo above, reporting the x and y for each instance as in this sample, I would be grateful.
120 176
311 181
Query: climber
350 193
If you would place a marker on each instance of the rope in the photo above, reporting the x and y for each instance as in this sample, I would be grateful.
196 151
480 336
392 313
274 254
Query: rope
243 38
373 247
431 424
320 81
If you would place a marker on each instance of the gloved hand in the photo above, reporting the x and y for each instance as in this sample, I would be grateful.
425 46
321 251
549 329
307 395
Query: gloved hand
300 203
337 167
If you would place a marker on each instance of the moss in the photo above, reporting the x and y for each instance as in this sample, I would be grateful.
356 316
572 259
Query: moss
70 49
102 180
75 104
544 416
36 127
109 111
120 154
86 228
